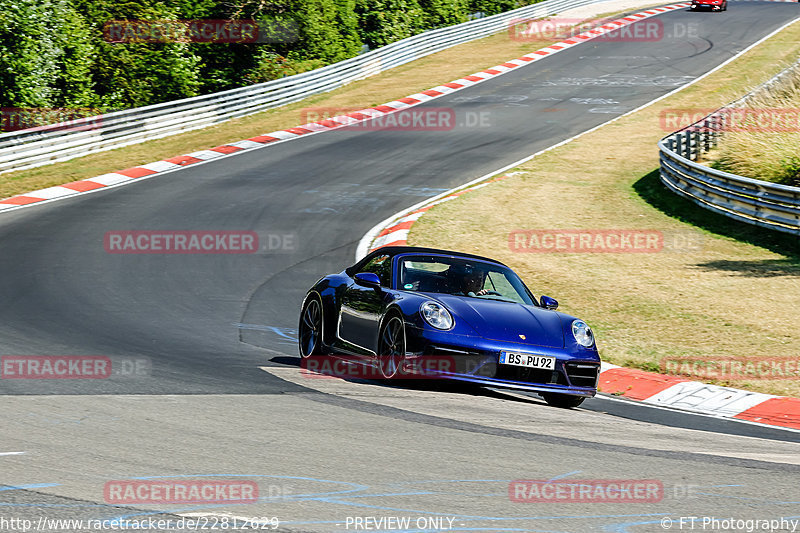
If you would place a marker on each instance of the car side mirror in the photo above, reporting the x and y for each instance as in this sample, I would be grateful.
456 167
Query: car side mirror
549 303
368 279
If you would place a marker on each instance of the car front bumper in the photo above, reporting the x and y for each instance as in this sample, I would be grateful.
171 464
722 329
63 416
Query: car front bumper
476 360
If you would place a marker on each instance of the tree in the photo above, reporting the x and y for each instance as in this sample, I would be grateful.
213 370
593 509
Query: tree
441 13
386 21
141 73
45 55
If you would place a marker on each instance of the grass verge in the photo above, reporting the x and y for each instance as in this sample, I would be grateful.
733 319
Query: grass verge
766 143
399 82
722 291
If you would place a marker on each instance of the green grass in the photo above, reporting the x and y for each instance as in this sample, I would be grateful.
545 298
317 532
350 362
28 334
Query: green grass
764 147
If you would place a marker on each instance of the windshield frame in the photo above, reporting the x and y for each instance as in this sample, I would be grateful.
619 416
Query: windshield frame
490 265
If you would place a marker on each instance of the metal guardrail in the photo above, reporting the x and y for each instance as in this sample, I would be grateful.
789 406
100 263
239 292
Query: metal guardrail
753 201
60 142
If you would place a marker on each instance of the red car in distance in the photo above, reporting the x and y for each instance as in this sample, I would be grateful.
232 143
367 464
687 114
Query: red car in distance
713 5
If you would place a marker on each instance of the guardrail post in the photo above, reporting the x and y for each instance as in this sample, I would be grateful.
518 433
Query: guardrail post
700 135
715 122
687 145
699 139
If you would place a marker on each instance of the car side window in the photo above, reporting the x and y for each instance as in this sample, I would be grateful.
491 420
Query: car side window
496 281
382 266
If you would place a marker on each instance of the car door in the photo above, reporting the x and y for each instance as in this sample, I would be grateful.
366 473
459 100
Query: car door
362 308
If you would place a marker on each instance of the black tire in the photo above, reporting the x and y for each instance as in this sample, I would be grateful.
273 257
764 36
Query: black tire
565 401
391 346
309 331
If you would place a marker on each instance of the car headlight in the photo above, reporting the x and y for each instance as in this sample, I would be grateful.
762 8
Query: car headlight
436 315
582 333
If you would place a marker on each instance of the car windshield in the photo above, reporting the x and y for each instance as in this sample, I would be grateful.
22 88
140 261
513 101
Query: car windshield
462 277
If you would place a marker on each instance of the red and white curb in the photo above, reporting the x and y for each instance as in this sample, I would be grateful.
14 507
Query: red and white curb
679 393
168 165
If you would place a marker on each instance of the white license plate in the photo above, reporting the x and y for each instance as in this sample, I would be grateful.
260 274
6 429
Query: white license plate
528 360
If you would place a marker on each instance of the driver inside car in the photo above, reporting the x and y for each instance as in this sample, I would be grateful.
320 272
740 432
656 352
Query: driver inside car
466 280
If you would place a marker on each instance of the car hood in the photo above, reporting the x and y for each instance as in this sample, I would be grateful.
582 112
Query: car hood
507 321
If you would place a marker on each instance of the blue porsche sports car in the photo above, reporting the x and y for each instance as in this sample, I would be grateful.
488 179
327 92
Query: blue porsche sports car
400 306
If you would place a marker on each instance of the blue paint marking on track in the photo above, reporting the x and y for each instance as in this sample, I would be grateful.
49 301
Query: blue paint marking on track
285 333
34 486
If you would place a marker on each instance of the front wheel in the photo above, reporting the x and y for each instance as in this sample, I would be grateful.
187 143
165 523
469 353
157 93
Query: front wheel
309 332
391 347
565 401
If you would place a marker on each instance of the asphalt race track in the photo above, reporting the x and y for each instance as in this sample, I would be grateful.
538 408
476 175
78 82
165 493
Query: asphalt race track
218 394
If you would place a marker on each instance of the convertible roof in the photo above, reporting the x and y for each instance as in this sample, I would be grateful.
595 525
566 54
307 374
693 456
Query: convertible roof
395 250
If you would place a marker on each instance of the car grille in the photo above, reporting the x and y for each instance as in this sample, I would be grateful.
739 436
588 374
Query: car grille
531 375
466 362
582 374
459 361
